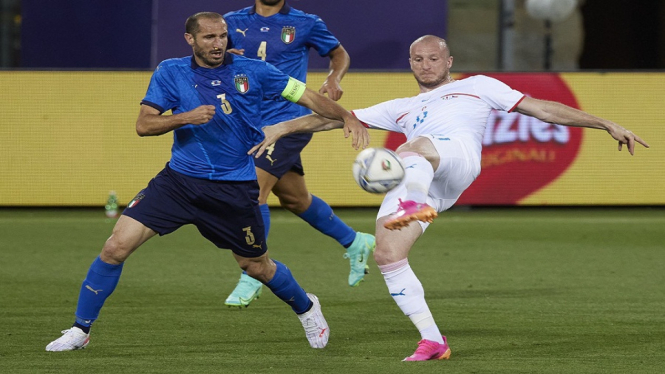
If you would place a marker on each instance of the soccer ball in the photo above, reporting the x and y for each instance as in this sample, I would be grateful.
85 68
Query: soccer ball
378 170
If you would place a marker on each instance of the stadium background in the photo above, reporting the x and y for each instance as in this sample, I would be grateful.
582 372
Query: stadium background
67 137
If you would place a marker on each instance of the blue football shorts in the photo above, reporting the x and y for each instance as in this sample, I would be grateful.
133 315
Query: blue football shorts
225 212
284 155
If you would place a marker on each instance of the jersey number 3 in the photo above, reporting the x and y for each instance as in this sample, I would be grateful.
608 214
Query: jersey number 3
226 106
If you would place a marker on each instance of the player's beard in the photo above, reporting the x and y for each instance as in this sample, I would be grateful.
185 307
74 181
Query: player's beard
207 58
432 82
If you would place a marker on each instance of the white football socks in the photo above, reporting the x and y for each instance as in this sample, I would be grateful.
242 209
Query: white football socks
417 177
408 293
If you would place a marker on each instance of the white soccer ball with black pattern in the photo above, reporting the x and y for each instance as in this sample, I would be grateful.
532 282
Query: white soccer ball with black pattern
378 170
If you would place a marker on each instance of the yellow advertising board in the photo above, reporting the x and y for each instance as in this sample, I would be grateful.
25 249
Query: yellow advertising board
67 138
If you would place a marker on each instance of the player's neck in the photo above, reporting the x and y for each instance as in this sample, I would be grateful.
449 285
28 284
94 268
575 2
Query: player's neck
268 10
447 80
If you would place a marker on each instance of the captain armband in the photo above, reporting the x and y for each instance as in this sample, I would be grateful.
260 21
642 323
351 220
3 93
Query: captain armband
294 90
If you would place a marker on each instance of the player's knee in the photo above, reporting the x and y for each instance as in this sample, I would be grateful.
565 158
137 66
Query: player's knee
384 256
256 269
294 204
244 263
115 251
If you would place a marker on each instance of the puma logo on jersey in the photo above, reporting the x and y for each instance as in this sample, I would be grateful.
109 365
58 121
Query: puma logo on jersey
272 162
242 31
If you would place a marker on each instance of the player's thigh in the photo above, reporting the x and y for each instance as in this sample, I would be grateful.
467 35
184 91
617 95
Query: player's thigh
424 147
266 183
128 234
292 192
458 168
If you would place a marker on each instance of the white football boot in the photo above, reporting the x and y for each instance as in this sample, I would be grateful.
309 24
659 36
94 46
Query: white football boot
316 327
71 340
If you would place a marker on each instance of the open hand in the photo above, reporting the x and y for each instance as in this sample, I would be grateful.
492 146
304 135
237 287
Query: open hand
624 136
359 133
272 134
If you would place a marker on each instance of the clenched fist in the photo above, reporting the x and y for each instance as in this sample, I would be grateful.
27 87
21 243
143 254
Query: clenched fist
201 115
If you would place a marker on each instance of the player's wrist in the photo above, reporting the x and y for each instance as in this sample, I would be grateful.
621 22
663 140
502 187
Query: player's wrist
347 118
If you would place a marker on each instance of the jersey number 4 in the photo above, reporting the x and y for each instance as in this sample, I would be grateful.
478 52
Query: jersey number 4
226 106
262 50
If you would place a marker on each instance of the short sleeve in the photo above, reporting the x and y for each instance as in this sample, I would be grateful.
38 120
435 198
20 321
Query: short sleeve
380 116
274 82
162 93
497 94
321 39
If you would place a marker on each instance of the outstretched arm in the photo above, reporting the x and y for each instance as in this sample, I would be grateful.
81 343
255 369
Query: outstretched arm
330 109
553 112
308 123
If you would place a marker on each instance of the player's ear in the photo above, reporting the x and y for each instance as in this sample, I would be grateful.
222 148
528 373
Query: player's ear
189 38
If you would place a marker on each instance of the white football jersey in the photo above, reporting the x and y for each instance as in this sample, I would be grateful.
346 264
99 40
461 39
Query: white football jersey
458 110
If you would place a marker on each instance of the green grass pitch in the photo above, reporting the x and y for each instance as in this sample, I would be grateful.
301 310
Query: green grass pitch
515 290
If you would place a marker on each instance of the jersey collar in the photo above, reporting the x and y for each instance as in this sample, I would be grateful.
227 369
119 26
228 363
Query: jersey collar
285 9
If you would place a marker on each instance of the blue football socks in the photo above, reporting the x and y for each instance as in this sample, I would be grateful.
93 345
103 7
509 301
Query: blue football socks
284 286
320 216
97 286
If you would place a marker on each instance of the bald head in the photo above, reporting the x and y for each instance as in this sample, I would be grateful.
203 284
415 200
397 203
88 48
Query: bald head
430 62
431 40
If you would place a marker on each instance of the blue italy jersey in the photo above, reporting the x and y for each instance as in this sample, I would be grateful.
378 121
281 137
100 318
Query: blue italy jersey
238 89
283 40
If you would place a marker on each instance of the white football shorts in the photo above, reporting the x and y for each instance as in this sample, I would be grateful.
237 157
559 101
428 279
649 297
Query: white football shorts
458 168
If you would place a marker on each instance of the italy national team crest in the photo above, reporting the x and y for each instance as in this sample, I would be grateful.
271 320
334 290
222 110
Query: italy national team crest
242 83
288 34
136 200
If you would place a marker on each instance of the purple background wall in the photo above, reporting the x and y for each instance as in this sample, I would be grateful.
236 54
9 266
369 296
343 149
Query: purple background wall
138 34
377 34
85 34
